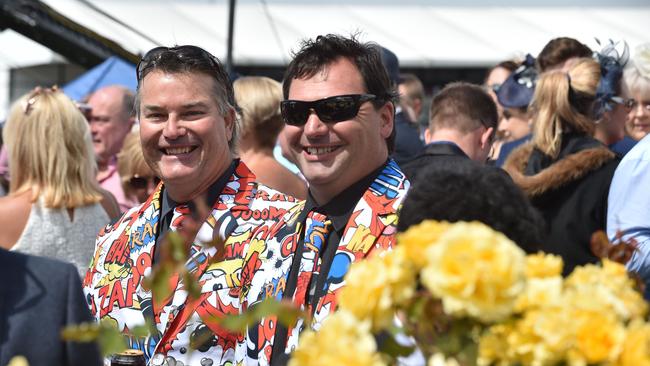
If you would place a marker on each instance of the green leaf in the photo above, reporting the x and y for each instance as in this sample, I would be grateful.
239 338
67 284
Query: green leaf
158 282
111 340
178 251
191 285
84 332
287 314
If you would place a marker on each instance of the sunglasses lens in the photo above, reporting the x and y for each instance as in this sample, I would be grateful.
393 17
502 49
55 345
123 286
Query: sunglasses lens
138 182
295 113
337 109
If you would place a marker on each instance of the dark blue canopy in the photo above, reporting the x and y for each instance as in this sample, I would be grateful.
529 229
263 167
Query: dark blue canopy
113 71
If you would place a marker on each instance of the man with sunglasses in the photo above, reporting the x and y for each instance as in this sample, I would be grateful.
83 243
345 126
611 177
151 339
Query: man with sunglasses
339 112
187 111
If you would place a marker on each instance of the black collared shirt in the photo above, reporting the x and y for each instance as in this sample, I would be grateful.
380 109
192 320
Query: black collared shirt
167 204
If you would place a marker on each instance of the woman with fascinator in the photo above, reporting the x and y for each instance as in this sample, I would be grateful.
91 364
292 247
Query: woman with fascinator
565 172
55 206
610 107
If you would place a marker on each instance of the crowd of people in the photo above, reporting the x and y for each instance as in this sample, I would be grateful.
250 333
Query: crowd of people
298 181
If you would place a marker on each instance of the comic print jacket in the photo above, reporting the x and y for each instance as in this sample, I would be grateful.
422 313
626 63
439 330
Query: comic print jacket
246 215
371 227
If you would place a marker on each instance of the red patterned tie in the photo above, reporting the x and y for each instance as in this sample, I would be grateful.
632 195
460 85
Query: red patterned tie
317 230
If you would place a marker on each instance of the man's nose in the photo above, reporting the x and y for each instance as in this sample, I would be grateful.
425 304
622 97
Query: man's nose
314 126
173 128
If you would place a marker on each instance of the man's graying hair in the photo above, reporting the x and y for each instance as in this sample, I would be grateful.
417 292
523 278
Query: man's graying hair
169 62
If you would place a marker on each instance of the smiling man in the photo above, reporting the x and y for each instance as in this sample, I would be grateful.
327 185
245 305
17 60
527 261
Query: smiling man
339 110
187 111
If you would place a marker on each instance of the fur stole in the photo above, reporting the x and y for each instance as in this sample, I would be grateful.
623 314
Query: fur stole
570 168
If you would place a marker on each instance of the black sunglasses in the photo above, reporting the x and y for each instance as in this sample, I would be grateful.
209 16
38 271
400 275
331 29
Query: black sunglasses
187 54
330 110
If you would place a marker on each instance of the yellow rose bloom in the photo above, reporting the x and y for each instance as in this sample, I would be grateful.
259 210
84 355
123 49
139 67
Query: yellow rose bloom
599 336
540 292
342 340
439 359
475 271
543 265
419 237
636 346
606 287
374 287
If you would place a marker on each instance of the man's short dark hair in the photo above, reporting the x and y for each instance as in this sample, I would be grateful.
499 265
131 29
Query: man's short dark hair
470 192
560 49
462 106
316 55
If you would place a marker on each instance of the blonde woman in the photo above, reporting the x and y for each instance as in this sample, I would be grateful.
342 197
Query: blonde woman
259 99
138 180
55 207
565 172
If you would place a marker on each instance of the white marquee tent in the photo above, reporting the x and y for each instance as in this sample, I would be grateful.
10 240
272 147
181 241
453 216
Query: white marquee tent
422 33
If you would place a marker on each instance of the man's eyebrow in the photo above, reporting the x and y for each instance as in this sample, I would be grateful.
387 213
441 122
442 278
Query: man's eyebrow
195 104
152 108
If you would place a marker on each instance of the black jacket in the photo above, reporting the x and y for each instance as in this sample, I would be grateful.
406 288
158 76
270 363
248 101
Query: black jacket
570 192
38 298
407 139
440 153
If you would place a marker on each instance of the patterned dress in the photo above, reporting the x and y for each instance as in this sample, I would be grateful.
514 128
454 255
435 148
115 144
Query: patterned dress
249 216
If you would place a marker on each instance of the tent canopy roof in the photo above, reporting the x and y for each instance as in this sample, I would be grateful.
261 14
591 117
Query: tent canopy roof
421 33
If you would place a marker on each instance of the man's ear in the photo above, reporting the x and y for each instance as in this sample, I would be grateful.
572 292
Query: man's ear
486 137
230 120
387 115
427 135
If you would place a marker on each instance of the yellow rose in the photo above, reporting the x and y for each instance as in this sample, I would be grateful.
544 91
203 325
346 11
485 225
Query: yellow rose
374 287
542 337
419 237
493 346
606 287
542 265
475 271
540 292
636 346
439 359
342 340
18 361
599 336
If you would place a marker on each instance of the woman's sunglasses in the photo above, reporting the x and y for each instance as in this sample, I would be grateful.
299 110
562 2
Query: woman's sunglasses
138 182
329 110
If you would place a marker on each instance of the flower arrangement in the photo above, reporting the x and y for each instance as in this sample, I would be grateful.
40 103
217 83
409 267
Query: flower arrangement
464 294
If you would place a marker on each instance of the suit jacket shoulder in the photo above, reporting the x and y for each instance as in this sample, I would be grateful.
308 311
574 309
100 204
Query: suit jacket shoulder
43 297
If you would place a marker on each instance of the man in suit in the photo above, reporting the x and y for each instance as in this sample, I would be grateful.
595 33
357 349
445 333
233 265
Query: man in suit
339 110
38 298
462 122
187 112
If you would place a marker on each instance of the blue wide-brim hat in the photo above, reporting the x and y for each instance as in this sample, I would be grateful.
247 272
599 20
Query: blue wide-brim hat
518 89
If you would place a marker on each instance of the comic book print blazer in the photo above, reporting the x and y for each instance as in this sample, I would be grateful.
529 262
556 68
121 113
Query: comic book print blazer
245 215
372 227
